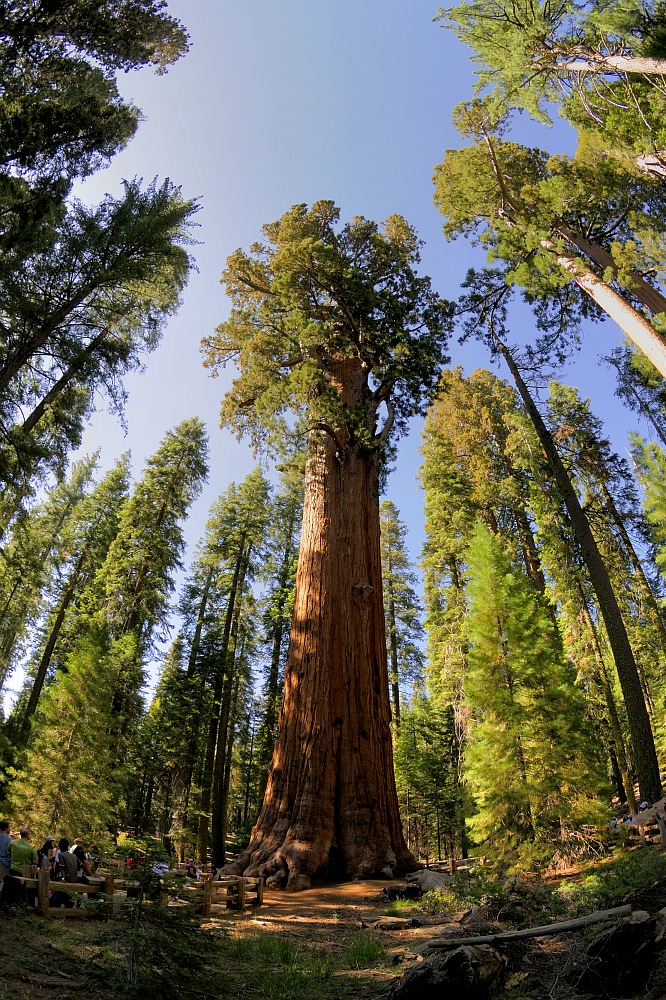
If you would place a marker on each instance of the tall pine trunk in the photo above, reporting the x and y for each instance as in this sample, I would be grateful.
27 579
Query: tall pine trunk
331 806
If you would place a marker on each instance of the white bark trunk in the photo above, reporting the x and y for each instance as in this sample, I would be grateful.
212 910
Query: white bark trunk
595 62
640 332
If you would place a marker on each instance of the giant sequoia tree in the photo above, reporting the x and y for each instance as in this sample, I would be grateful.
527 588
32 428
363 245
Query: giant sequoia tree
335 324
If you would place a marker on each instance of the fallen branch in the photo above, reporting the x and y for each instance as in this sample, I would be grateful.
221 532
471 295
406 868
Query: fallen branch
529 932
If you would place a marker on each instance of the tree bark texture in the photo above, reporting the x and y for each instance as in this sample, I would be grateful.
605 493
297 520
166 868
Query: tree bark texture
330 807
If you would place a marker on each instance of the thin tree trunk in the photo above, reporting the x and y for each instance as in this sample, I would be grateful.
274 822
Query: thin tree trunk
45 660
639 331
30 347
58 387
267 729
246 803
194 721
218 685
590 61
611 707
231 736
331 805
219 816
647 766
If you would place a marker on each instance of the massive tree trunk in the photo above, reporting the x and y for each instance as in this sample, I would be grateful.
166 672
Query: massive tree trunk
331 807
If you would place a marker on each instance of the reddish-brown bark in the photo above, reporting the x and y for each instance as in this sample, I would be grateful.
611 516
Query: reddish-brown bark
331 807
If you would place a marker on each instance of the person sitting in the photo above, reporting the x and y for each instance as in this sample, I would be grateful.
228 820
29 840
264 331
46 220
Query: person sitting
78 850
68 862
68 866
46 854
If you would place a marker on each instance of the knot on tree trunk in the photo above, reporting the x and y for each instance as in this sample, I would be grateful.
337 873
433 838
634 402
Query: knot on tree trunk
362 590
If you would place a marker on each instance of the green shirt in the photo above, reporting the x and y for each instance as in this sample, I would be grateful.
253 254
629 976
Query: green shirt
21 852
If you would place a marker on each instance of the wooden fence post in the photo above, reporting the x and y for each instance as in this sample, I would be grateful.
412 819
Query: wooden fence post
109 885
452 866
43 892
241 893
260 891
207 895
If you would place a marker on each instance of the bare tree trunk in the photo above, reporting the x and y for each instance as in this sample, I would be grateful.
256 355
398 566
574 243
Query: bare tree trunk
641 289
590 61
639 331
647 766
218 688
331 806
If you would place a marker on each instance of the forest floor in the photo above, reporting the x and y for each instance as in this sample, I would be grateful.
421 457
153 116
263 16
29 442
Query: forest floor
313 945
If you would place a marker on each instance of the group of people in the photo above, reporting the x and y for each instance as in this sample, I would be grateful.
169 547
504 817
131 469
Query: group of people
56 857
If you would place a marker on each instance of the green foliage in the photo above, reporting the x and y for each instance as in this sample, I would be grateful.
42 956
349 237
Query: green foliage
402 608
532 55
651 462
80 316
530 760
427 759
362 949
312 301
609 882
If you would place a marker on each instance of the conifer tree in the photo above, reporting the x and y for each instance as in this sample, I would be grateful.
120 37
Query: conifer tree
560 229
95 699
402 609
530 761
280 575
334 324
85 542
432 797
602 63
31 557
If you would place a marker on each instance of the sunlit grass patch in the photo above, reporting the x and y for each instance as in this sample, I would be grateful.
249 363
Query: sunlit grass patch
362 949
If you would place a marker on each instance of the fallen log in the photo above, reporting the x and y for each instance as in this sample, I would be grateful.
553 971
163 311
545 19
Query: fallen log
529 932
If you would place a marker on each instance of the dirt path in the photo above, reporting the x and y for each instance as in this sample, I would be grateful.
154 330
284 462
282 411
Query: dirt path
326 914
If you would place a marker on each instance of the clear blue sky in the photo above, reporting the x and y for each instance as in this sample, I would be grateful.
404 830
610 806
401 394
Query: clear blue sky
285 101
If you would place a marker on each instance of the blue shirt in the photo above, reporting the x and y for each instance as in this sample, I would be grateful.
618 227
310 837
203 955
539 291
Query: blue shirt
5 841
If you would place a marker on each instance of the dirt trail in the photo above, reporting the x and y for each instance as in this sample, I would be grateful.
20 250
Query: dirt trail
326 914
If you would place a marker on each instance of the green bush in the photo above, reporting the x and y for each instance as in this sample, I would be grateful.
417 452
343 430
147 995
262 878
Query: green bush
610 881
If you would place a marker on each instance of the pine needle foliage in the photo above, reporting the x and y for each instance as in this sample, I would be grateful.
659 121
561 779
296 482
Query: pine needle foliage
530 762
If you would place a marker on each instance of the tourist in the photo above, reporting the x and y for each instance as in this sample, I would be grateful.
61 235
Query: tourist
69 863
5 841
46 854
81 855
21 852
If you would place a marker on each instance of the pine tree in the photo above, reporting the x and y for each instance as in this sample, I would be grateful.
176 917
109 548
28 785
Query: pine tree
402 609
94 701
86 542
31 558
530 761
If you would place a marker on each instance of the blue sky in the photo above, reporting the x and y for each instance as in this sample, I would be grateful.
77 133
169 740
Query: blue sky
286 101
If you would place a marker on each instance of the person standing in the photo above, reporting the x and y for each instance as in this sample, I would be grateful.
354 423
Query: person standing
22 852
5 841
